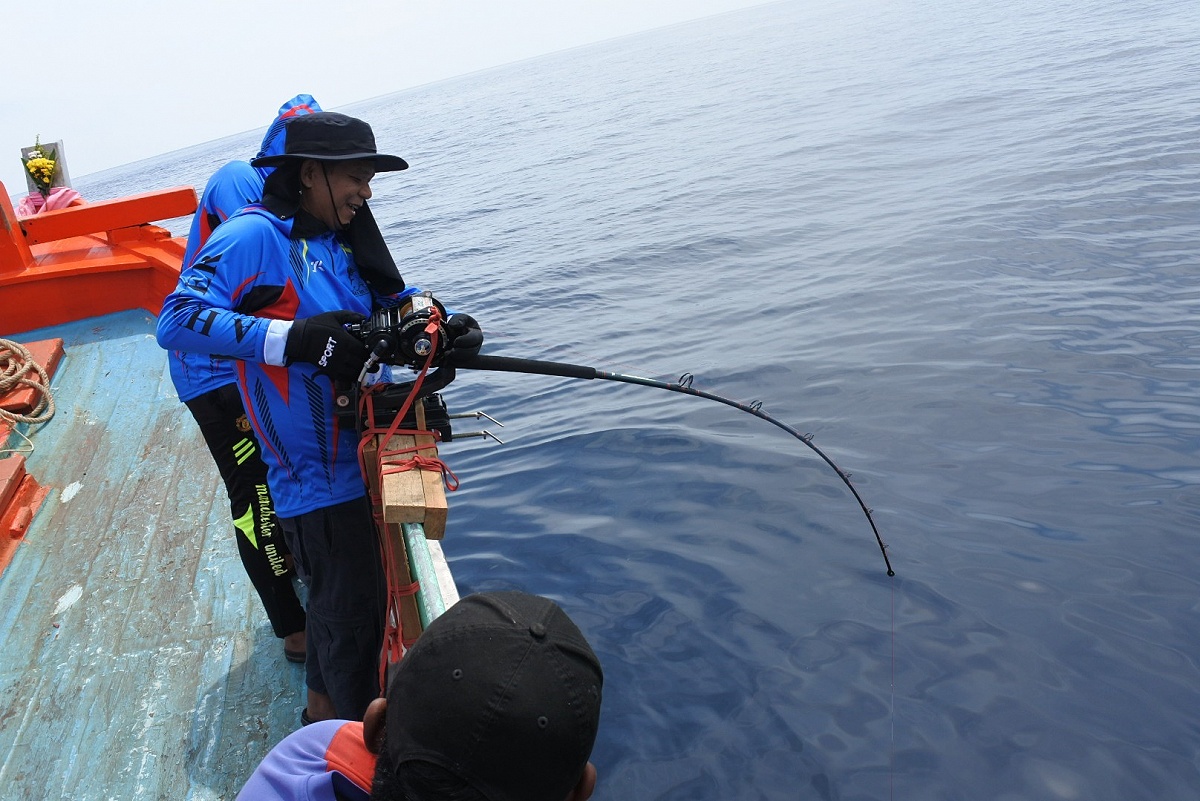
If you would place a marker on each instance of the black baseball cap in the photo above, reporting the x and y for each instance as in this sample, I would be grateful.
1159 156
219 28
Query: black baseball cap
503 691
330 136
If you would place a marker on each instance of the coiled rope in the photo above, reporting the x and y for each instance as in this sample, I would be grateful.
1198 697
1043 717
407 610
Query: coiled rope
19 369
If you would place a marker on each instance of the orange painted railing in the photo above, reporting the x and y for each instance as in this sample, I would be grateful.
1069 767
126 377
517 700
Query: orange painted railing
108 215
88 260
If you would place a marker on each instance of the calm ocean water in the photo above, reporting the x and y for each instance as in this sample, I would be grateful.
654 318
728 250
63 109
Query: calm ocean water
956 242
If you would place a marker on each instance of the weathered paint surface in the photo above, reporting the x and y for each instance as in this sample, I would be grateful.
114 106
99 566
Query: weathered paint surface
136 661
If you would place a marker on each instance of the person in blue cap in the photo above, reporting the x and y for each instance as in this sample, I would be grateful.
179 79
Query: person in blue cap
207 385
273 288
237 183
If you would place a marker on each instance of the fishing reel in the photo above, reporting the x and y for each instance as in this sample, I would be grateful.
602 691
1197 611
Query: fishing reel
406 334
413 334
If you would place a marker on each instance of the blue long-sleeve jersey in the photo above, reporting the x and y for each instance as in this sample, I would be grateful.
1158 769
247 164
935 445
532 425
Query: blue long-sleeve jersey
235 185
237 299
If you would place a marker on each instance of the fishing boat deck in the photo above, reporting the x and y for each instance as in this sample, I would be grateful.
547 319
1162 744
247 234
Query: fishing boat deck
136 661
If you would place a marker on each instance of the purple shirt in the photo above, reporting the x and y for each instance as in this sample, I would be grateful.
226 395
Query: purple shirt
309 763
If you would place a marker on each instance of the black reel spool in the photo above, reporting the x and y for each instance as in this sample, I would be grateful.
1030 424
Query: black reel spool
398 335
388 401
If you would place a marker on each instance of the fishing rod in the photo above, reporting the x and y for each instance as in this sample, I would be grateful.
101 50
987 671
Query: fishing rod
416 335
507 364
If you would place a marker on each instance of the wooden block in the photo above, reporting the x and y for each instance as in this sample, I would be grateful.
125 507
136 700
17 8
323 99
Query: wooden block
400 568
431 482
403 492
410 614
415 495
434 490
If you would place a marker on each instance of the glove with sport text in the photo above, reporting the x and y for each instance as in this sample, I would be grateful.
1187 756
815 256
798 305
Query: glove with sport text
322 340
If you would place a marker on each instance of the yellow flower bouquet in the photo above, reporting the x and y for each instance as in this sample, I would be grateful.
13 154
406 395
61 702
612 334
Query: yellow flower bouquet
40 164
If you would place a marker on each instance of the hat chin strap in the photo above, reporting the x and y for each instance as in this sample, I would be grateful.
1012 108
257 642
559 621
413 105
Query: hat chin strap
337 218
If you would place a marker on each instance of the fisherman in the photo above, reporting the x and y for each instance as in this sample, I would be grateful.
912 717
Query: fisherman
273 287
207 385
498 700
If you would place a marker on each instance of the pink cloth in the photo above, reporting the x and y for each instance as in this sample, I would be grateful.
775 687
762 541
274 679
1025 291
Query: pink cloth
60 197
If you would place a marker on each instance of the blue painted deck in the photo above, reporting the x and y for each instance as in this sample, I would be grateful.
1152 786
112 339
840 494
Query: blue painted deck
136 662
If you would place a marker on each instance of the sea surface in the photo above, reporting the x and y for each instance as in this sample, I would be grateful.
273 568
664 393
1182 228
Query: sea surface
959 243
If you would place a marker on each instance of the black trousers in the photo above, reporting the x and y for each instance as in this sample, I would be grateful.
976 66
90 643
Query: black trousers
338 558
260 541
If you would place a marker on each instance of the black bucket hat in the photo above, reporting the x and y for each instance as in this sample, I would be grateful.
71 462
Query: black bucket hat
330 136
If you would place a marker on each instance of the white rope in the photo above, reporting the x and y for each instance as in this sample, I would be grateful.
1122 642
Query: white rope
25 451
18 369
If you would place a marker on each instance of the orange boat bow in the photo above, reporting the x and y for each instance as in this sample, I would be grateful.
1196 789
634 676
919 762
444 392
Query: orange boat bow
88 260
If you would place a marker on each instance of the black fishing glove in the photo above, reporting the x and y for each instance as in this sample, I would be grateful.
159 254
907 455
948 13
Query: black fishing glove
322 340
466 338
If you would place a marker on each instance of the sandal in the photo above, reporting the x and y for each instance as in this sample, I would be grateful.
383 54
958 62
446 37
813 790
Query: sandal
295 655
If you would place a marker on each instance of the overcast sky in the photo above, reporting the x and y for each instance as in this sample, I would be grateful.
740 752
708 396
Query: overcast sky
121 81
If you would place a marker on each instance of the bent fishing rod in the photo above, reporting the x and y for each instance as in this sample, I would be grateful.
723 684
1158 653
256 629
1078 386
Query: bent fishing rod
684 385
416 335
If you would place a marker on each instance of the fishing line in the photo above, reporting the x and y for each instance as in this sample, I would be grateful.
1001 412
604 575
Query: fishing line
684 386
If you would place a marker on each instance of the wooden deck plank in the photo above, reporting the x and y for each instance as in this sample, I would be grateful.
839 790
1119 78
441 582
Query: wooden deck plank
135 660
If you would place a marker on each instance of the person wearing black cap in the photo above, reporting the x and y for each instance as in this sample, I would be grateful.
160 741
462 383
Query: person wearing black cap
273 287
498 700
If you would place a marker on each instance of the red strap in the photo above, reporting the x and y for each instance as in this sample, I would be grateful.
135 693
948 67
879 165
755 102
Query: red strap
416 461
396 641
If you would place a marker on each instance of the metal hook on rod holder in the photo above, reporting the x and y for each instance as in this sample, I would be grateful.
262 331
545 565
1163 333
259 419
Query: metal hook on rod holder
482 433
476 415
